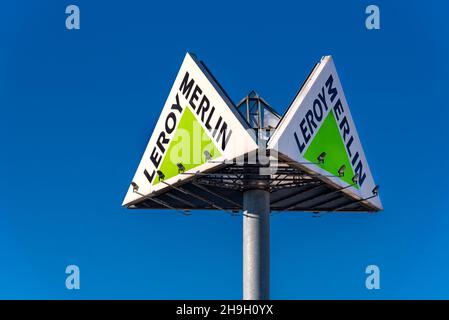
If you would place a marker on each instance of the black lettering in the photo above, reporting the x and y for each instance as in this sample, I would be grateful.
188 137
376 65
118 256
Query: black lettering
305 135
194 96
177 105
310 121
203 107
338 109
332 91
322 97
344 125
317 110
208 126
301 146
149 177
169 129
155 158
222 134
359 170
160 143
354 160
186 86
348 146
216 127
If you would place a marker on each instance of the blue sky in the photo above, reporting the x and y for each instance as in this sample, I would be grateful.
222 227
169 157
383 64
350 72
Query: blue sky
77 109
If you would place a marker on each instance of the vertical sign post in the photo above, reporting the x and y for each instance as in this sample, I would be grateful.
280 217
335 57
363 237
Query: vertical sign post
256 244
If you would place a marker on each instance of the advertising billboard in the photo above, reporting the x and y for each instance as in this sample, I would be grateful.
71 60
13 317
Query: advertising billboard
198 129
318 133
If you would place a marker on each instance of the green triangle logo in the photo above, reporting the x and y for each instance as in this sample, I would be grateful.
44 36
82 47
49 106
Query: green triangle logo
328 139
187 147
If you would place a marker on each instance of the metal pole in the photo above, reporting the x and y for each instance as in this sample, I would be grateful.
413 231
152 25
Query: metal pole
256 244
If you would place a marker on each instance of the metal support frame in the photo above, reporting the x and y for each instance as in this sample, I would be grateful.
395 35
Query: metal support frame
217 195
236 177
213 205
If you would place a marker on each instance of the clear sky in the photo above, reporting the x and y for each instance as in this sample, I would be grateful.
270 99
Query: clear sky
77 108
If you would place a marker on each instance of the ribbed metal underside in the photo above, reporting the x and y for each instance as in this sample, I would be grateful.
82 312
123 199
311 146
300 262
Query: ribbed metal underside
291 189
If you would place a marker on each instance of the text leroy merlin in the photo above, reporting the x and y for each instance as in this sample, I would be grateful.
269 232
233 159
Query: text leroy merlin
194 96
317 112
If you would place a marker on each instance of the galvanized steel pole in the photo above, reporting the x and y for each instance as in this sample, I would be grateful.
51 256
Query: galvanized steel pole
256 244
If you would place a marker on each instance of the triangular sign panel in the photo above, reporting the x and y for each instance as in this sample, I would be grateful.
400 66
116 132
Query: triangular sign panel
318 133
197 130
